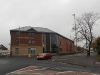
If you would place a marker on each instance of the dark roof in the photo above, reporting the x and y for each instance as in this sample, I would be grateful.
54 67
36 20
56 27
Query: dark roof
37 29
3 47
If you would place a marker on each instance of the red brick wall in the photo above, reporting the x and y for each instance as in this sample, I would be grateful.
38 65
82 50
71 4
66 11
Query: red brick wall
65 45
24 38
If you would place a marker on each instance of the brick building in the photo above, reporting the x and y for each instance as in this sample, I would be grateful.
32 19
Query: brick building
33 40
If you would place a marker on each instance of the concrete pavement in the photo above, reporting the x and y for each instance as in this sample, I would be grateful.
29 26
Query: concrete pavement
78 59
34 70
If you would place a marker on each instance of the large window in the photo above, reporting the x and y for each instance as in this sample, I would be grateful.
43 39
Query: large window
54 43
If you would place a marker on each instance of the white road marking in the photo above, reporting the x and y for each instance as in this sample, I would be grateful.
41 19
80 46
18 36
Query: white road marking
64 72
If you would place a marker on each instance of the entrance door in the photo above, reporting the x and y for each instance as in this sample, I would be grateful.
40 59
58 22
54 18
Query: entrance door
17 51
31 51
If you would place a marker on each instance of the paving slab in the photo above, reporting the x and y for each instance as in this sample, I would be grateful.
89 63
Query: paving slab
78 60
34 70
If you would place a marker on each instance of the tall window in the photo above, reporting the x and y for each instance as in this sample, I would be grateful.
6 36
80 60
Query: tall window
17 42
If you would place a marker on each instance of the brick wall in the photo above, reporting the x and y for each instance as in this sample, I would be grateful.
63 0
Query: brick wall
35 39
65 45
25 41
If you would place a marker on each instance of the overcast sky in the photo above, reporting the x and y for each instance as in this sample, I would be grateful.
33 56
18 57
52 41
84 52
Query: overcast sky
53 14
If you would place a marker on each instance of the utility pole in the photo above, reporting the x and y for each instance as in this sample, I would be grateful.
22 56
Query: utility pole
19 40
75 32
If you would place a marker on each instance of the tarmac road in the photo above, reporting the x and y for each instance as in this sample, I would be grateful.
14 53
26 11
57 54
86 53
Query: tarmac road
9 64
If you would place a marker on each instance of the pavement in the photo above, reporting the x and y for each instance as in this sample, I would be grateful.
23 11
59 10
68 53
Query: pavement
34 70
78 59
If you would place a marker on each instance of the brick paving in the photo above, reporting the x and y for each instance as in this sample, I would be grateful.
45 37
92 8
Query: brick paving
34 70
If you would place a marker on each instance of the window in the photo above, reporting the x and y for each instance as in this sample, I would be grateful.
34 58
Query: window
60 43
18 33
17 42
16 51
31 50
31 42
30 34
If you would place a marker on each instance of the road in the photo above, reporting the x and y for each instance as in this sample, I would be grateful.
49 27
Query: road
53 65
9 64
14 63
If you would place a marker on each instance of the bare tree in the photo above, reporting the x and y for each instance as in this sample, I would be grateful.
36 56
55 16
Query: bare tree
84 28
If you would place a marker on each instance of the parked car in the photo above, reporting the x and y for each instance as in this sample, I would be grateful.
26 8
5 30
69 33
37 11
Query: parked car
44 56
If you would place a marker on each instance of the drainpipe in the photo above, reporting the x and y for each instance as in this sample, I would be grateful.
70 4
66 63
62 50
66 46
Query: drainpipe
50 43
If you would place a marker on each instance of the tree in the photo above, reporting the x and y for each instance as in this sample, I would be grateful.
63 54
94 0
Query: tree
98 45
84 28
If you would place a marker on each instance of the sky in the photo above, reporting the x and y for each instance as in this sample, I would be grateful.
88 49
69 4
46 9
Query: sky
53 14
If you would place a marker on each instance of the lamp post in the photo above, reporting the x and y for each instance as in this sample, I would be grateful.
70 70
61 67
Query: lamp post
75 32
